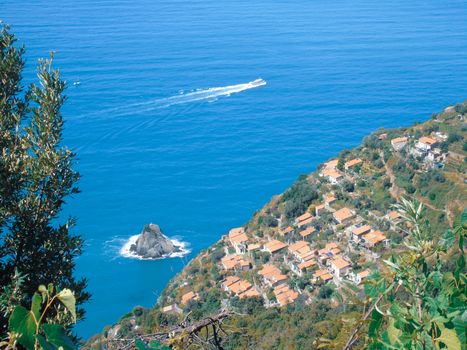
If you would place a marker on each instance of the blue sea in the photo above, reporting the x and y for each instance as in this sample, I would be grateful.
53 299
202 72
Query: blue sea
168 130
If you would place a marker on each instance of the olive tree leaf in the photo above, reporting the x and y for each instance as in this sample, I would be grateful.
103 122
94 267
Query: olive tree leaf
68 299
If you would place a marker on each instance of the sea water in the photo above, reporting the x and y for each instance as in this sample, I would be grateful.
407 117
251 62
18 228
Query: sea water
334 72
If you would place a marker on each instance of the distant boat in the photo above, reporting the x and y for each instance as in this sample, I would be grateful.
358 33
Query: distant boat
258 82
76 83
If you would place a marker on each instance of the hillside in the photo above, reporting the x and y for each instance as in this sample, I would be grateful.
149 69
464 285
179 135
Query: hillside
295 272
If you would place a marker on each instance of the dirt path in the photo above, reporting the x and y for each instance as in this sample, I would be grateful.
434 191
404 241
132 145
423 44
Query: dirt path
395 191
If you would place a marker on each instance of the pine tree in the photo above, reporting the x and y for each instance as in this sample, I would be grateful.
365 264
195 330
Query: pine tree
36 176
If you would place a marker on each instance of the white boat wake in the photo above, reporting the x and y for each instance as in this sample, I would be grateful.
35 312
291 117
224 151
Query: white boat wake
210 94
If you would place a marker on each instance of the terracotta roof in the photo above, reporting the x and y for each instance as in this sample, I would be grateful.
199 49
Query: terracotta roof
331 245
250 293
306 264
340 263
239 287
254 246
331 164
361 230
374 237
306 222
285 295
269 269
286 231
343 214
272 273
308 231
428 140
229 280
332 173
297 246
233 261
323 274
303 217
365 273
274 246
352 163
319 207
171 308
394 214
335 251
189 296
329 198
237 235
399 140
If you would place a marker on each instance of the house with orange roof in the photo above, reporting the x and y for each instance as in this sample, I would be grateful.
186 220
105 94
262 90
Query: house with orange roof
332 164
189 296
285 295
286 231
238 239
250 293
306 222
358 232
300 250
239 287
339 267
304 217
394 218
272 275
307 233
274 247
352 163
334 176
228 281
328 200
303 267
399 143
426 143
320 209
172 309
343 216
328 252
321 276
374 238
359 277
235 262
254 247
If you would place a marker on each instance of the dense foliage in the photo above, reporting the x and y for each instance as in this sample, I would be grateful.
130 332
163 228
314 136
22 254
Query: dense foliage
36 176
30 329
420 302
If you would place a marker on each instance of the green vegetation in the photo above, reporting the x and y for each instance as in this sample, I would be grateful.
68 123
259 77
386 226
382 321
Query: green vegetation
36 176
419 302
28 328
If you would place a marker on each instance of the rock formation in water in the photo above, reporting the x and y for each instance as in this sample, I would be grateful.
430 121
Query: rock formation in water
153 244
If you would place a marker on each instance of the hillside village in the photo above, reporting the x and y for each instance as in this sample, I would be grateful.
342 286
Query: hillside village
333 242
310 249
